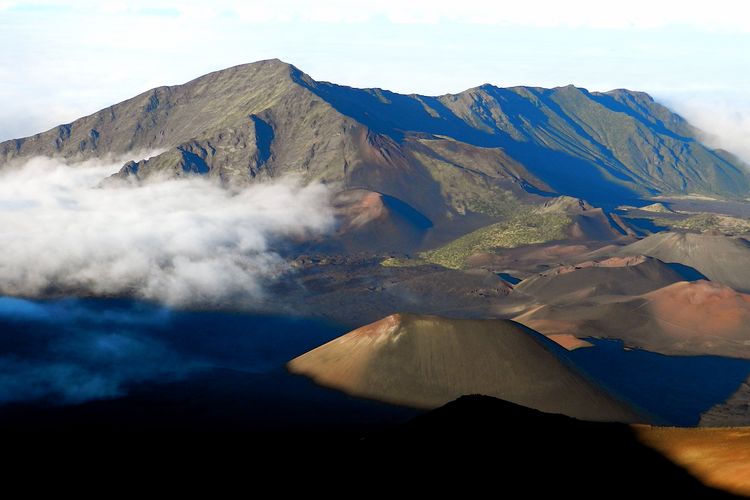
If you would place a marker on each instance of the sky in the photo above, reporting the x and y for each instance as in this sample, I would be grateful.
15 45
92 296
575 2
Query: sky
60 60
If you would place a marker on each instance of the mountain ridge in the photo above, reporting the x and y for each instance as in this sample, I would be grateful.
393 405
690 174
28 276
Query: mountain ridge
269 118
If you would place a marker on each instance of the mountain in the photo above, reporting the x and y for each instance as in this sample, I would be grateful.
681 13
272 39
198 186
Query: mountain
468 153
718 257
614 276
427 361
370 221
682 318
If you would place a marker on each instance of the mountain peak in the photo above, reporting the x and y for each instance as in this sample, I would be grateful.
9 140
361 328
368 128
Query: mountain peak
571 89
263 63
630 93
275 67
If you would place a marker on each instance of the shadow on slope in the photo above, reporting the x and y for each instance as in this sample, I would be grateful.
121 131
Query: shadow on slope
686 272
395 115
676 388
212 400
468 445
533 452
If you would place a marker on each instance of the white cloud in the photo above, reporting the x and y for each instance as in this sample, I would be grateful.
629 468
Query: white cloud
724 119
186 242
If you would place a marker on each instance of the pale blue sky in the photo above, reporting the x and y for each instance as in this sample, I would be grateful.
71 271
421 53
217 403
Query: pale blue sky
60 60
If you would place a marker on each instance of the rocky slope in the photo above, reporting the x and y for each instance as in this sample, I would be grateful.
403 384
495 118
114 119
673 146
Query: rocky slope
682 318
615 276
269 118
717 257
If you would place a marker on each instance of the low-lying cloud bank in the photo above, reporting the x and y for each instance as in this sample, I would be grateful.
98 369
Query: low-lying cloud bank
182 242
71 350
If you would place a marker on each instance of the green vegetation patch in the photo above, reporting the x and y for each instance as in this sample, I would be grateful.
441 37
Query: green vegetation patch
524 229
396 262
703 222
499 204
523 225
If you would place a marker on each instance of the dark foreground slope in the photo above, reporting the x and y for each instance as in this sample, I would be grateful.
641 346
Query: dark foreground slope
540 453
470 446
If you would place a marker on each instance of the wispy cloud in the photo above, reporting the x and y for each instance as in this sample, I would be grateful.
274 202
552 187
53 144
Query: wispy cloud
75 350
70 352
723 118
186 242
